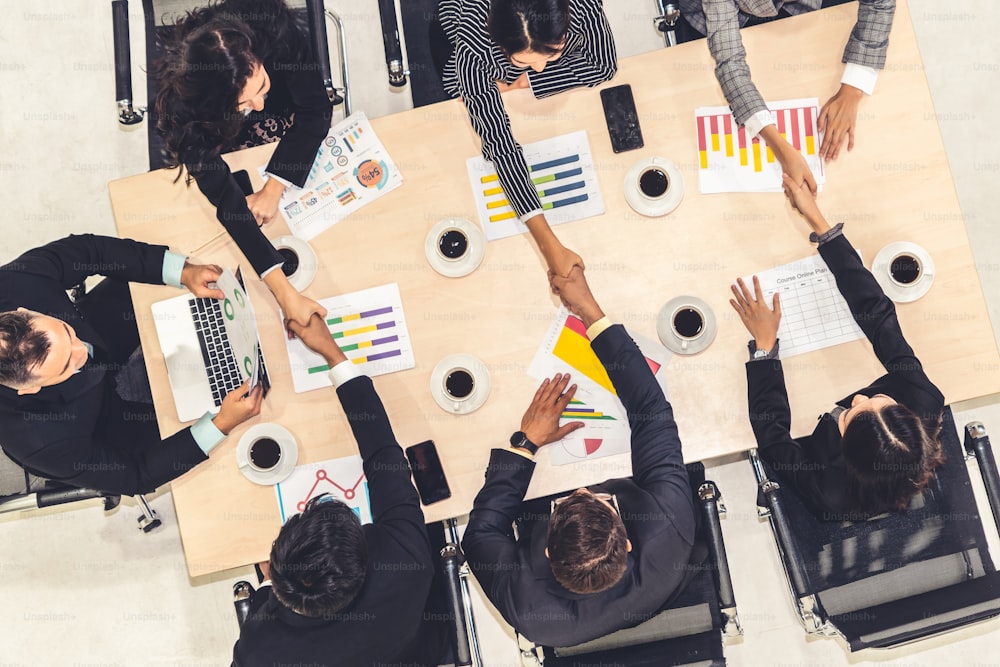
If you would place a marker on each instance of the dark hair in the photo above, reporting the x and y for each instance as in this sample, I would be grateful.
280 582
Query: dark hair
529 25
209 56
891 455
22 347
587 545
319 560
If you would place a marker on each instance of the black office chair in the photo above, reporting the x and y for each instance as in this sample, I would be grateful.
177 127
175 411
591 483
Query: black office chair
454 577
689 630
159 16
897 577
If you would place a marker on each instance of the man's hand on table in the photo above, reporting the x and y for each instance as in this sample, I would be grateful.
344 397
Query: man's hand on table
540 423
238 406
837 120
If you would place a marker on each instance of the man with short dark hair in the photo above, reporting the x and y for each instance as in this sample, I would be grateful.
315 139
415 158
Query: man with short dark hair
343 594
74 397
611 554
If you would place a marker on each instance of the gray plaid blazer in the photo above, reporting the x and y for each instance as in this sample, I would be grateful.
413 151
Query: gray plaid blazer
720 21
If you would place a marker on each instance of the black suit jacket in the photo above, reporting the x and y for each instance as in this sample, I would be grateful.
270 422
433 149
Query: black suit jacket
656 505
296 88
79 431
385 622
814 465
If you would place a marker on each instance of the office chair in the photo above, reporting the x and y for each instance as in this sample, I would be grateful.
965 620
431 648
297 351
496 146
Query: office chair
689 630
455 573
897 577
159 15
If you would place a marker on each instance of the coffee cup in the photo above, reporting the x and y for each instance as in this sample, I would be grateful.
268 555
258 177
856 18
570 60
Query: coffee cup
654 183
290 261
452 244
905 269
688 324
264 453
459 384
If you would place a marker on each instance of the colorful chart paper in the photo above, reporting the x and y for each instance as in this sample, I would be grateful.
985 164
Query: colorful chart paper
729 161
343 478
369 326
352 168
562 170
240 323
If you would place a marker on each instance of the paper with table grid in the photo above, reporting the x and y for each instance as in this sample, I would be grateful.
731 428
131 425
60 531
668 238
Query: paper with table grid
814 315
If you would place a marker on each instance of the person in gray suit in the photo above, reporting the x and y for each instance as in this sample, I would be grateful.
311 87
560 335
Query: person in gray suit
864 56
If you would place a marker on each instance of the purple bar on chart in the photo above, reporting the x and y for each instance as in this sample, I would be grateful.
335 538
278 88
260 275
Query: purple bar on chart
384 355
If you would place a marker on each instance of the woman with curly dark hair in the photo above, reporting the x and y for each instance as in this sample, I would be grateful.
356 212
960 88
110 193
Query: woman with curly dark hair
875 449
236 74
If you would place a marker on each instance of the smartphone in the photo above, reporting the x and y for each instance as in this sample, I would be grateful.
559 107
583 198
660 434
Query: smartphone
622 119
428 474
243 180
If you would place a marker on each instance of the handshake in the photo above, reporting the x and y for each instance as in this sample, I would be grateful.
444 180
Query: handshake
575 294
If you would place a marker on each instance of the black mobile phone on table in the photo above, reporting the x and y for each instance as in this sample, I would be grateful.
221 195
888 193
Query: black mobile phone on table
243 180
428 474
622 119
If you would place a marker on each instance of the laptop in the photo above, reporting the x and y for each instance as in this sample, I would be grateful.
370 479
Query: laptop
201 365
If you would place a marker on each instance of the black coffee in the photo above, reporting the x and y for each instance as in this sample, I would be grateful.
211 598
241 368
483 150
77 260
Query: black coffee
459 383
265 453
291 260
905 269
653 183
688 322
453 244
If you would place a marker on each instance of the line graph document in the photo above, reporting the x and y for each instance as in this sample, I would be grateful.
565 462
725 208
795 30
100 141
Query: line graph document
813 313
343 478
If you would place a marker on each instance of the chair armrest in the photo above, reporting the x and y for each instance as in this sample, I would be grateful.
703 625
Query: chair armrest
977 443
709 499
242 592
123 64
451 561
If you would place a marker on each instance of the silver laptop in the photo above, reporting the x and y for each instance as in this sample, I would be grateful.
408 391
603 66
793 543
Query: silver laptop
201 366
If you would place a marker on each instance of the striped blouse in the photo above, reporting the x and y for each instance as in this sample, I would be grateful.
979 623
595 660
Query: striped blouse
477 64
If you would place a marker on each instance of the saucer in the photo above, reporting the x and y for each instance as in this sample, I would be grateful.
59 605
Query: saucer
467 263
308 263
479 393
659 206
671 340
289 454
899 293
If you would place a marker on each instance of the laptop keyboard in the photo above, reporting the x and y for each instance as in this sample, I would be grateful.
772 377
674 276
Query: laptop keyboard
223 374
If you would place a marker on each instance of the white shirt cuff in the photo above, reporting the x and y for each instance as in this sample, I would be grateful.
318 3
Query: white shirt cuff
264 273
173 267
860 76
599 327
530 214
758 122
343 372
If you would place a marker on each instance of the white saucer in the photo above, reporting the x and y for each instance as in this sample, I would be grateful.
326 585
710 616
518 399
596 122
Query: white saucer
899 293
659 206
467 263
286 464
669 337
479 394
308 262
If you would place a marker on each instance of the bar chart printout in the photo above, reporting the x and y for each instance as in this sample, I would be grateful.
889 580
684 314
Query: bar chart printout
813 313
562 170
344 479
730 161
370 327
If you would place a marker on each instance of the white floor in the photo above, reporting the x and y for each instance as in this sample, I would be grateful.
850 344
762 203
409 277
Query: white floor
84 588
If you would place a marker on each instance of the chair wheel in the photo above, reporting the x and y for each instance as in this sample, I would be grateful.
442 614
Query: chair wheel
148 523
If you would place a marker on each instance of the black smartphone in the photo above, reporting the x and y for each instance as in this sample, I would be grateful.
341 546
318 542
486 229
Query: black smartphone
621 117
427 472
243 180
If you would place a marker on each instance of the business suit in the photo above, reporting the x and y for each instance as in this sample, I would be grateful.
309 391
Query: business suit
80 431
814 465
656 506
385 622
720 21
296 90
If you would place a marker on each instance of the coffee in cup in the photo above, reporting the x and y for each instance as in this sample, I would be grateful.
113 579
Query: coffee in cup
905 269
265 453
459 384
453 244
688 323
653 182
290 260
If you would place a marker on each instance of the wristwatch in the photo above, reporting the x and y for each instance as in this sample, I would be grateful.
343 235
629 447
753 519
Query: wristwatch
761 354
519 439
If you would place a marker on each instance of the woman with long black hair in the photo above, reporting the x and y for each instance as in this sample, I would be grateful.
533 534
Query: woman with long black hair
547 46
236 74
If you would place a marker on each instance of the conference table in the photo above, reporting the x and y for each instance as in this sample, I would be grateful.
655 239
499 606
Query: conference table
894 186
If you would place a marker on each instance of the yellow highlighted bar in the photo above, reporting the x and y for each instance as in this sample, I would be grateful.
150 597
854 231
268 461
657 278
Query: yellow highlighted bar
810 146
503 216
770 155
490 178
493 191
756 156
497 204
715 142
743 157
729 145
704 159
355 332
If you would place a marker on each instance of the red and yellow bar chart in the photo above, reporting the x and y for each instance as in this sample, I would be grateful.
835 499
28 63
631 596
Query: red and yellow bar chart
730 161
562 170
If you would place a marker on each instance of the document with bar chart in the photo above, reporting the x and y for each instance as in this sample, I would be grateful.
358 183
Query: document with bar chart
562 169
730 162
370 328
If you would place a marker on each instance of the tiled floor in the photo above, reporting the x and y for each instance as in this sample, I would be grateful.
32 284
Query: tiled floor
81 588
